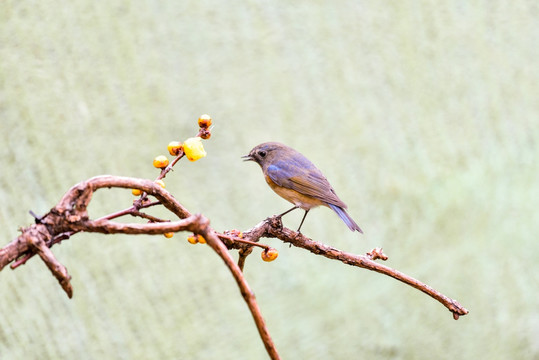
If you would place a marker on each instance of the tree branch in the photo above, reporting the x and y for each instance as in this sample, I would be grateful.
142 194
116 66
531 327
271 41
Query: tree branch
70 216
38 244
215 243
272 227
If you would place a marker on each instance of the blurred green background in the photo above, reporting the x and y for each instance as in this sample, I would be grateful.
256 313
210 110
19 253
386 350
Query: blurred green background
423 115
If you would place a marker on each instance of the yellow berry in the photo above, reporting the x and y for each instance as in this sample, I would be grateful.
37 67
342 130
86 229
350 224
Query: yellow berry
192 239
194 149
204 121
269 254
160 161
168 235
201 239
160 183
136 192
174 148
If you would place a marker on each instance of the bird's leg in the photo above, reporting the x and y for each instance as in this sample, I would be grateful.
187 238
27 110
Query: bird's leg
294 208
286 212
302 220
278 217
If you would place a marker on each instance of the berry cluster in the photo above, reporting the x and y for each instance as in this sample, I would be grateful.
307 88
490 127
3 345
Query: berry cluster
191 148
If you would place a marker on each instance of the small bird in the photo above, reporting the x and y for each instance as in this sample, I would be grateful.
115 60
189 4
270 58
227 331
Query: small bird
293 177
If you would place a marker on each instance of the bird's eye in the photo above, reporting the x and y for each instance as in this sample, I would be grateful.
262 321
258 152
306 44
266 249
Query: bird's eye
262 153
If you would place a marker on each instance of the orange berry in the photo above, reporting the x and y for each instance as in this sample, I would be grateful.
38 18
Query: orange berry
160 161
136 192
174 148
193 239
160 183
168 235
204 121
269 254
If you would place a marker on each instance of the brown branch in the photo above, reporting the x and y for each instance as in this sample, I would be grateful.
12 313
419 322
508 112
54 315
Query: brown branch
76 196
191 223
58 270
72 207
166 170
272 227
149 217
130 210
243 253
70 216
215 243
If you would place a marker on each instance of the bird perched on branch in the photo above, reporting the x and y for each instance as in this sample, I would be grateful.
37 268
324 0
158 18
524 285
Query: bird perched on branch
293 177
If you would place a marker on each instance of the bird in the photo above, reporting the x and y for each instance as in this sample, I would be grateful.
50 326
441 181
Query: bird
296 179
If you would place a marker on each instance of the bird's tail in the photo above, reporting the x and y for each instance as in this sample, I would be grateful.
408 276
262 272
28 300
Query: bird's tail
345 217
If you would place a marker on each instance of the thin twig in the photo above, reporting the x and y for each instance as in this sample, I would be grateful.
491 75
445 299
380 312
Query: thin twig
239 240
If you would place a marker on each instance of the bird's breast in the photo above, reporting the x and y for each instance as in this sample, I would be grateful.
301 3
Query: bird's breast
305 202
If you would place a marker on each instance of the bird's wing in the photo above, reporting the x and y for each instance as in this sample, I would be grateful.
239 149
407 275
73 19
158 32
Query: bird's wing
304 178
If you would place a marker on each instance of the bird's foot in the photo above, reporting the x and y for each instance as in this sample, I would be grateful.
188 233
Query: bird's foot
276 222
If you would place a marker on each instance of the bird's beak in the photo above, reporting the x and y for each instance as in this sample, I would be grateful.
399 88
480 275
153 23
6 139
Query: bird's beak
247 158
